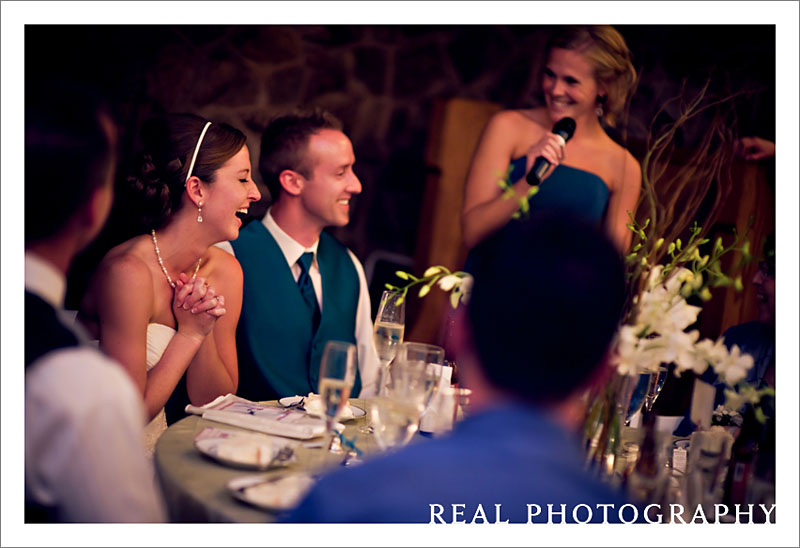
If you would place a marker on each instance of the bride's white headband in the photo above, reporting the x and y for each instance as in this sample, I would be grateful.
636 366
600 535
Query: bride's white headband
196 150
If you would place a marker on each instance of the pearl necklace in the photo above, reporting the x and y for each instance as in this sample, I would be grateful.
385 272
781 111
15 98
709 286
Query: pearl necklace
161 262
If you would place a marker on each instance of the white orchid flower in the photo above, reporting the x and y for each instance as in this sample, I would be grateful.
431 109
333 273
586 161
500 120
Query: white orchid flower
638 355
627 357
681 350
682 315
713 352
655 276
448 282
675 281
735 366
674 346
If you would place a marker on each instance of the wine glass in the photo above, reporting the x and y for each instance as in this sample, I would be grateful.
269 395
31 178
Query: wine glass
412 379
418 371
654 386
337 372
388 330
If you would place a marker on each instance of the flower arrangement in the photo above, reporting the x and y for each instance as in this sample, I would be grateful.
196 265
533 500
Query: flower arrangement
458 283
668 280
655 330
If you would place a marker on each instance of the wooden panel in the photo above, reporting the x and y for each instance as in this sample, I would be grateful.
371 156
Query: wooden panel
455 128
751 196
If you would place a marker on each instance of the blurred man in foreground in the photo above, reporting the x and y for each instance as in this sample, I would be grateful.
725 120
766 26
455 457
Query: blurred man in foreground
84 419
546 302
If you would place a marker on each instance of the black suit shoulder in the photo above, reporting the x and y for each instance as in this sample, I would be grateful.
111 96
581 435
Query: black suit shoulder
44 332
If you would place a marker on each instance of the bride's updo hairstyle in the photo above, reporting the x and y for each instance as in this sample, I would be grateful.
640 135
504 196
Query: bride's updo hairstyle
158 175
606 50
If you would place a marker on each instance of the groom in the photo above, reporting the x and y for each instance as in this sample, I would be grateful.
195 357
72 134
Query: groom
302 288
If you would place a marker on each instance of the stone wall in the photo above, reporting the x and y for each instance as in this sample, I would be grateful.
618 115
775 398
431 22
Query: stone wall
382 81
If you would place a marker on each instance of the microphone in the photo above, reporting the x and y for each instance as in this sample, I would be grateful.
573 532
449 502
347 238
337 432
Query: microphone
564 128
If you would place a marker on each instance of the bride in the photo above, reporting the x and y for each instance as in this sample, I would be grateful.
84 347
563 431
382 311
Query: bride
167 302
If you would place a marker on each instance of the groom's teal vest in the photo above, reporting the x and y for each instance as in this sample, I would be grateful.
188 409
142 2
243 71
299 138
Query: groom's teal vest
278 353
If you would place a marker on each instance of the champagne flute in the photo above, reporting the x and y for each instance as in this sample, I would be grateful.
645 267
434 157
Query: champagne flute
388 330
337 373
387 334
637 396
654 387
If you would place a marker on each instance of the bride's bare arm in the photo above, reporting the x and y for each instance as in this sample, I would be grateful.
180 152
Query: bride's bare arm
125 301
214 371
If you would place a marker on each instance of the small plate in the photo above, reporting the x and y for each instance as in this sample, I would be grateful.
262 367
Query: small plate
276 493
294 400
290 400
243 459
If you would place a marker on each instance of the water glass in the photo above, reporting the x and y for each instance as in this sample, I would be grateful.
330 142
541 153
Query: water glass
412 380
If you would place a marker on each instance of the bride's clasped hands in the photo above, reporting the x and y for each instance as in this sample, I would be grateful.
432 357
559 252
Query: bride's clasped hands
196 307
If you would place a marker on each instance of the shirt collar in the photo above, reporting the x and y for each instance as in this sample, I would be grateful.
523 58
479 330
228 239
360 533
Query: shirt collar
44 280
291 248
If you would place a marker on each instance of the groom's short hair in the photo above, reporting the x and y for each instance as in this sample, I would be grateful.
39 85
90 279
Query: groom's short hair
546 302
284 145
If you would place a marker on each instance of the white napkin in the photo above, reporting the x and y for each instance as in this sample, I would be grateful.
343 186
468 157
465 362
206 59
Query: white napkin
231 409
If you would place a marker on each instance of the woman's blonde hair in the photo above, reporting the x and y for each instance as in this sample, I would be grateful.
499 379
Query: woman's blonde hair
606 49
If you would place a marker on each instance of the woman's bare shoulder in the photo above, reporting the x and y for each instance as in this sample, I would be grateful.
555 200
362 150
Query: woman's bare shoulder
621 161
127 261
222 264
514 131
520 119
122 270
537 116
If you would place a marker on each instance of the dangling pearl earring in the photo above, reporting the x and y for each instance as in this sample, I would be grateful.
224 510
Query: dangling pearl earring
200 212
599 108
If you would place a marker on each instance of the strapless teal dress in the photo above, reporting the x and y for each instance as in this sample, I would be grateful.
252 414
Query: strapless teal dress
569 190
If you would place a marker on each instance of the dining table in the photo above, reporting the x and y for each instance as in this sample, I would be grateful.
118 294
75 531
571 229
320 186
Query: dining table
195 486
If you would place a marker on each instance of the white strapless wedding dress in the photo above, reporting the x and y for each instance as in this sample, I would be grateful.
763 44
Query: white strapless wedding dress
158 337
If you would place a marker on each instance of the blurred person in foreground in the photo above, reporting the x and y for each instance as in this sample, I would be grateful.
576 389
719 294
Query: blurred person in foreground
84 418
529 340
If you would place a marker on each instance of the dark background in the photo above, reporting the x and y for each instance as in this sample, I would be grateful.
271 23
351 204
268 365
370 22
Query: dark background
382 81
